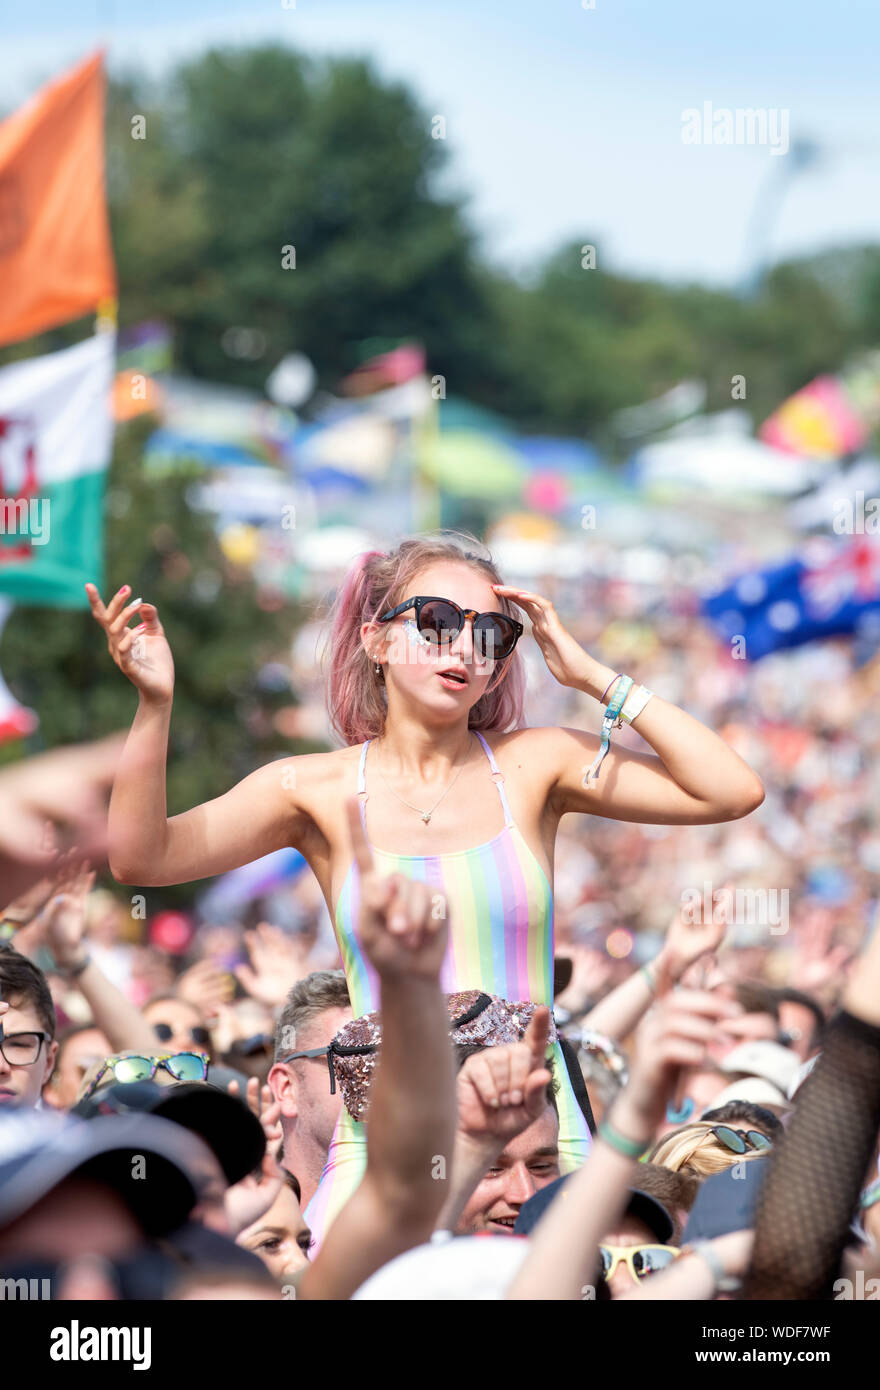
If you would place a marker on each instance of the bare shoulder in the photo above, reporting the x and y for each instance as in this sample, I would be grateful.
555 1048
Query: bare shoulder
540 747
542 756
535 753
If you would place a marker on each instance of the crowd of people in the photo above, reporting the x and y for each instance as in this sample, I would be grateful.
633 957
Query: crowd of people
174 1099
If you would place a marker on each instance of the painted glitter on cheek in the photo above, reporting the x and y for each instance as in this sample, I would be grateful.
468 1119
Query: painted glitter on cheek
413 636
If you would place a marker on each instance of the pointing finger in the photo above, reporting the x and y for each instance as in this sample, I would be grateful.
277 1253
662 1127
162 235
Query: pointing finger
538 1032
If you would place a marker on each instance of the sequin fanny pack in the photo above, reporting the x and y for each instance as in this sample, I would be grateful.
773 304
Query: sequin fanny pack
474 1017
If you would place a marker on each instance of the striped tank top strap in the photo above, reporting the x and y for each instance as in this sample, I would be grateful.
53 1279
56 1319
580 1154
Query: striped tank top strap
498 778
362 785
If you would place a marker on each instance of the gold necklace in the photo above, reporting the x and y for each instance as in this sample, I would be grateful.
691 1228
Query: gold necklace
426 815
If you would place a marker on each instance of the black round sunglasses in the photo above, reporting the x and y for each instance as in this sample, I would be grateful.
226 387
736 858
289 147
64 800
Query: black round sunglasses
440 621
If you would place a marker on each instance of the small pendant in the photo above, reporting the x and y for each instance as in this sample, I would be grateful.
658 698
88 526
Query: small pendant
426 816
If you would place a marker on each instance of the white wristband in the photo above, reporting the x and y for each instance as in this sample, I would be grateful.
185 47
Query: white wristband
635 702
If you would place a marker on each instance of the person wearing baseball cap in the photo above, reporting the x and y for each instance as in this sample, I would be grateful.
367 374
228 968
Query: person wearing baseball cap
229 1128
70 1188
639 1246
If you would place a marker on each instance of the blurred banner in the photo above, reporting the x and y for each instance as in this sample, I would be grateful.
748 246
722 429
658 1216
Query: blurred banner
56 259
56 437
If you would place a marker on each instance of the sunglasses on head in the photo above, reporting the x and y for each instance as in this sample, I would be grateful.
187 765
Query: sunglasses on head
640 1260
440 621
183 1066
164 1032
740 1141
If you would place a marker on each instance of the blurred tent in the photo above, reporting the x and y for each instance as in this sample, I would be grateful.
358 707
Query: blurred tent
358 445
467 463
330 549
215 425
546 454
165 450
456 414
560 470
256 494
732 465
528 557
682 402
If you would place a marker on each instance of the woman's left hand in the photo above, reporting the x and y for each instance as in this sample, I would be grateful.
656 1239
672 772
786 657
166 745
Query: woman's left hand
566 659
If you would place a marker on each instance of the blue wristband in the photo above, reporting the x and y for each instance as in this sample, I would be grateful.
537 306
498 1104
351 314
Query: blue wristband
612 714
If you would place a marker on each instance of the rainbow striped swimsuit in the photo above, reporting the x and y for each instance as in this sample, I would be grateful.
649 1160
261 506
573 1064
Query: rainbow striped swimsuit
500 941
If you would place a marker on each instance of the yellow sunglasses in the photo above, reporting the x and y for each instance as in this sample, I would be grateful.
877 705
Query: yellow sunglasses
640 1260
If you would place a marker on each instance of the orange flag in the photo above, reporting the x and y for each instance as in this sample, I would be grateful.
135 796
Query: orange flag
56 259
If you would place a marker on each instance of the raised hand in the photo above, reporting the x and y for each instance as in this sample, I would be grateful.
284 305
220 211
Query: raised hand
142 653
402 927
260 1100
566 659
676 1033
277 961
64 916
207 986
248 1200
501 1090
688 940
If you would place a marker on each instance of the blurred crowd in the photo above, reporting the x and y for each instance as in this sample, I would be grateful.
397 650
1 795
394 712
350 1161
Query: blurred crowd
704 1041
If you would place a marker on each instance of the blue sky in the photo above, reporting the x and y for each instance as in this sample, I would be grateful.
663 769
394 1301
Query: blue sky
564 122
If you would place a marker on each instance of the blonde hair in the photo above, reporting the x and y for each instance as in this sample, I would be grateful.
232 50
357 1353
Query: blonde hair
695 1149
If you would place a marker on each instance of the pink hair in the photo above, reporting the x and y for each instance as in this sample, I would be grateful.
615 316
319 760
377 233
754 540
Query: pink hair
356 699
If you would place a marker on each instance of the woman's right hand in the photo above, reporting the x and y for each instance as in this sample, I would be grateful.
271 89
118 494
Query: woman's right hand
141 653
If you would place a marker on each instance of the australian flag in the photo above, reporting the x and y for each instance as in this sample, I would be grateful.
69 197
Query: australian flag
831 588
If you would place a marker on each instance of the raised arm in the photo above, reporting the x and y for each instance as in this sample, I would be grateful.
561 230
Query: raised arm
411 1121
563 1256
262 813
620 1011
693 777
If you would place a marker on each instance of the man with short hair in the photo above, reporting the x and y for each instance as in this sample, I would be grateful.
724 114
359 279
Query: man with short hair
27 1044
507 1131
526 1164
316 1009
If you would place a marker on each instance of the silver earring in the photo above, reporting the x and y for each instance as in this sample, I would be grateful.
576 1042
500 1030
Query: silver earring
378 669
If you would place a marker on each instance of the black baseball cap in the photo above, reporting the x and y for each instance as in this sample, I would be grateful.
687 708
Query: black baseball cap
41 1148
640 1205
226 1124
